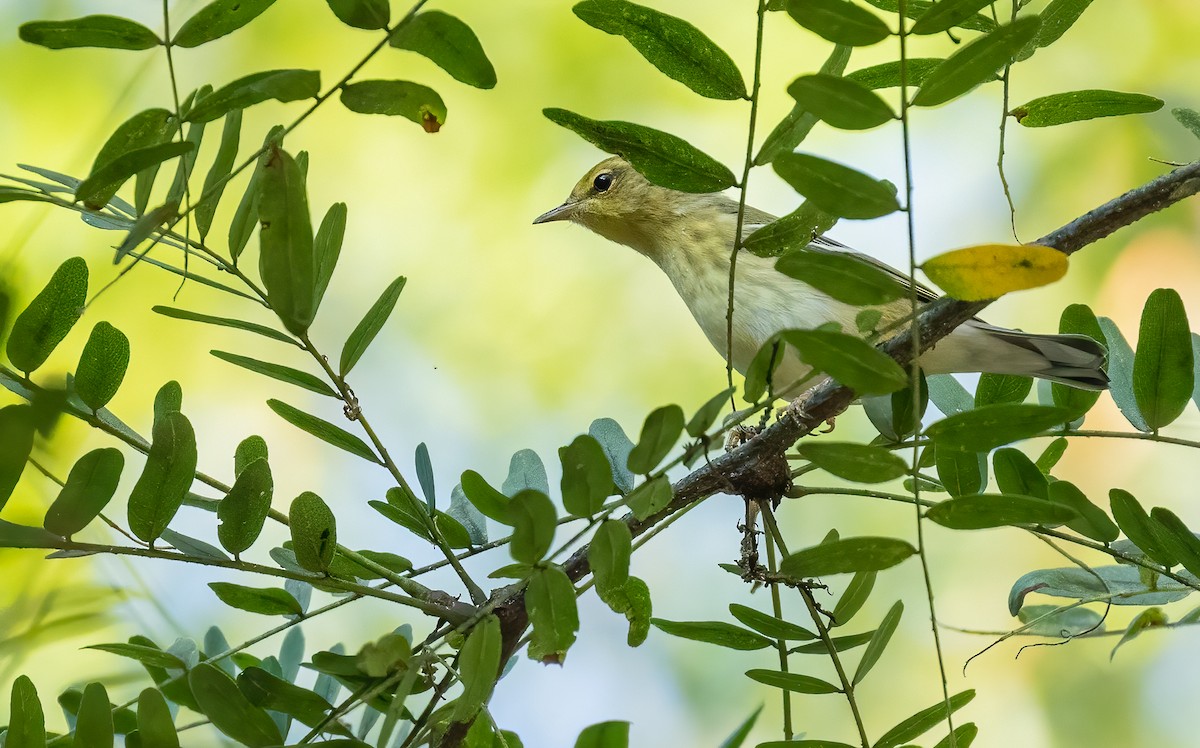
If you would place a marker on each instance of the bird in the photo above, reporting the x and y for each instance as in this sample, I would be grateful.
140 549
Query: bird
690 236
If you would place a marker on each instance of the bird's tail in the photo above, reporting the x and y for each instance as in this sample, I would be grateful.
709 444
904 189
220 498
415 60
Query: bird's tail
1074 360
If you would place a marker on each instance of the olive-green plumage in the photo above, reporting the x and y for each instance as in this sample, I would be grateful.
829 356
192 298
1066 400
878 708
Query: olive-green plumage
691 237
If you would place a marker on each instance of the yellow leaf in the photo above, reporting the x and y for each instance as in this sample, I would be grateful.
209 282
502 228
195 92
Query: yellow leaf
988 271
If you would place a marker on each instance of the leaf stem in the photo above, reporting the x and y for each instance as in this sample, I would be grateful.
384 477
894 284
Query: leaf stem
780 644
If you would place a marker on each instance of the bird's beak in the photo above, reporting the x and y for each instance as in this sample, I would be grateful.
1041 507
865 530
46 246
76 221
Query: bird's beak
561 213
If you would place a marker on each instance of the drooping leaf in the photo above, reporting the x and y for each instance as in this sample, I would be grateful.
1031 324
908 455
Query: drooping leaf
1076 106
586 476
450 44
237 324
1016 474
853 598
791 232
282 373
245 92
738 737
1057 17
362 14
99 187
43 324
839 21
861 463
327 247
1189 118
285 261
230 712
370 325
1120 373
165 479
323 430
835 188
1163 376
17 427
996 510
218 174
887 74
988 271
533 520
674 46
664 159
840 102
415 102
90 485
1138 526
490 502
714 632
314 532
924 720
651 497
244 509
707 414
1149 618
795 682
770 626
478 666
1120 585
659 433
879 641
608 556
143 653
991 426
266 690
109 32
217 19
268 601
848 359
1177 538
550 603
841 276
976 62
845 556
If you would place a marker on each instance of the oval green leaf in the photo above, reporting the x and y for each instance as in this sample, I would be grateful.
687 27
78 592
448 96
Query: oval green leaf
26 721
218 173
1140 528
109 32
977 62
43 324
983 429
861 463
237 324
946 14
310 382
370 325
608 555
314 532
228 709
102 365
269 601
154 720
714 632
327 248
839 21
846 555
421 104
244 509
478 667
90 485
533 520
879 641
997 510
324 430
286 261
915 726
586 476
1077 319
362 14
553 613
840 102
770 626
1076 106
660 431
217 19
795 682
1163 375
450 44
835 188
165 479
245 92
850 360
842 276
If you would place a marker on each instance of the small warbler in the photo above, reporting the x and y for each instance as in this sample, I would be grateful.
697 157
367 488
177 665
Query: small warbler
691 236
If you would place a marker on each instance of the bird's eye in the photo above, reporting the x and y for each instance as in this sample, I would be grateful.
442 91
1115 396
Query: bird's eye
603 181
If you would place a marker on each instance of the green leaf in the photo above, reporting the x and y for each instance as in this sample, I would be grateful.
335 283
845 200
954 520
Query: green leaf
362 14
245 92
854 462
478 667
550 603
604 735
991 426
17 426
26 721
269 601
617 447
145 226
525 470
533 520
840 102
977 62
1120 373
1076 106
924 720
1189 118
794 682
146 128
586 476
490 502
835 188
1140 528
155 724
879 641
850 360
424 469
217 19
370 325
982 511
193 546
237 324
1163 366
946 14
791 232
413 101
842 276
960 472
846 555
165 479
248 451
839 21
229 710
286 262
887 74
714 632
244 510
1120 585
314 532
43 324
1056 622
282 373
770 626
760 375
99 187
664 159
651 497
1174 535
1149 618
109 32
608 556
1016 474
794 127
659 433
738 737
1057 17
90 485
218 174
707 414
994 389
147 655
853 598
450 44
674 46
324 430
268 691
327 247
948 395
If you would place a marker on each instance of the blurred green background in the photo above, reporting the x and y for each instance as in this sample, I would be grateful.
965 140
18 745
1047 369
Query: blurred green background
511 336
